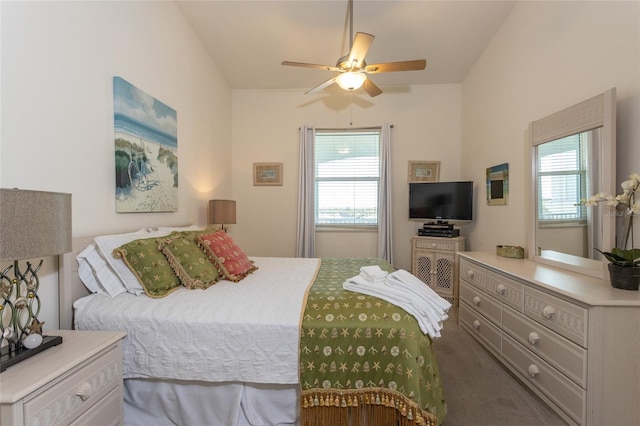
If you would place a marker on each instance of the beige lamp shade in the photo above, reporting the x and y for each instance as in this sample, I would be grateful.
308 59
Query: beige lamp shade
34 224
222 212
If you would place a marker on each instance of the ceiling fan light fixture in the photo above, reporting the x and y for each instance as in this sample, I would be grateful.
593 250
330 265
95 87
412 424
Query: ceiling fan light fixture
351 80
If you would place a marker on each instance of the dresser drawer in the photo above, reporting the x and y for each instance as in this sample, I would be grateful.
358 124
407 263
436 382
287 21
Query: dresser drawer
570 397
564 355
76 391
505 290
473 274
564 318
481 302
481 328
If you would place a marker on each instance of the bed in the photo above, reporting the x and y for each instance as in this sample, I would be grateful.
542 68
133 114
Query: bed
285 344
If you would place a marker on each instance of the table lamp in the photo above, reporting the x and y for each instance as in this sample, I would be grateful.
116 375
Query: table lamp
32 224
221 212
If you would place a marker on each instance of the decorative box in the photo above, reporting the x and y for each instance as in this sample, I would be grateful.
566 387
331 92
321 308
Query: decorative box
515 252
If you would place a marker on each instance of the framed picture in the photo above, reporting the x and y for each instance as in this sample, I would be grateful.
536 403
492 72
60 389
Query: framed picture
424 171
267 174
498 185
146 151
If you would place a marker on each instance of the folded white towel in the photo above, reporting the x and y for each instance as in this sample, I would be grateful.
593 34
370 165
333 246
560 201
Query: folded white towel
409 293
373 274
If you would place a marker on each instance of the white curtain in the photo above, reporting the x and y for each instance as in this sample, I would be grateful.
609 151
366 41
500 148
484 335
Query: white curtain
306 235
385 249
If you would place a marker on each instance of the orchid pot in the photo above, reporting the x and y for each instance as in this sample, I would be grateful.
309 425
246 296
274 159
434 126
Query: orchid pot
624 263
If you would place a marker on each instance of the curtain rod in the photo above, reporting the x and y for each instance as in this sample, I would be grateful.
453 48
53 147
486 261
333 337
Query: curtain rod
331 129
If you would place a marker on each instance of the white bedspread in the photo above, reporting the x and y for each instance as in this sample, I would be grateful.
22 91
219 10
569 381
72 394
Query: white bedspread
246 331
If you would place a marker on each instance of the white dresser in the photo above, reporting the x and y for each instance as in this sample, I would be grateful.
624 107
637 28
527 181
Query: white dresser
572 339
77 382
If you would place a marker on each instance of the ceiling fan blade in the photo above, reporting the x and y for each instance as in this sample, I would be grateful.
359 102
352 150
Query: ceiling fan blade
305 65
416 65
359 50
320 86
371 88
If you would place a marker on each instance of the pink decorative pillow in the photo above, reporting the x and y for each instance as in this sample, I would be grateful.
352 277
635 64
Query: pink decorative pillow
233 264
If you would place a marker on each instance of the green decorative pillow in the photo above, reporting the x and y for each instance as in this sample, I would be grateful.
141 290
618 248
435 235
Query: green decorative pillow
189 262
149 265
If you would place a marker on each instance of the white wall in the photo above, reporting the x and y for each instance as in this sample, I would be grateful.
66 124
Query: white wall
426 123
58 61
547 56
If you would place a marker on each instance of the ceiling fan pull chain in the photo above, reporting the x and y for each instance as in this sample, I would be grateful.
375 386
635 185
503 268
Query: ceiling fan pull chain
351 108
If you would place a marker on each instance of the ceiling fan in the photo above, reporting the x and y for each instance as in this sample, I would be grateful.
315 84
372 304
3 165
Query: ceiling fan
352 67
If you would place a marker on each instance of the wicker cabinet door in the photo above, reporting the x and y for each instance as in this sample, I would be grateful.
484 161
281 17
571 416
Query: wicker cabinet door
424 267
444 275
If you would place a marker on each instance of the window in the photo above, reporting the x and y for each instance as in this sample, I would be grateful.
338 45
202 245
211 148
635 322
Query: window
562 166
347 173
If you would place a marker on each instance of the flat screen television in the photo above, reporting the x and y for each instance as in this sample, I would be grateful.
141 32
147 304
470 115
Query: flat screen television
441 201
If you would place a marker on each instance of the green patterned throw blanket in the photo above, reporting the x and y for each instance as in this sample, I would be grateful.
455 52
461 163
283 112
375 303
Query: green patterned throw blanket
364 361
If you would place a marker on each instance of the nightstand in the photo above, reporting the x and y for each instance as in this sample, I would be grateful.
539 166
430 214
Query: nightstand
77 382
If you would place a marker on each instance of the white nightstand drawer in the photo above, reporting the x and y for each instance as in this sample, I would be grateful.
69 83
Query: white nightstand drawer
565 318
481 302
505 290
566 356
570 397
473 274
102 414
481 328
75 392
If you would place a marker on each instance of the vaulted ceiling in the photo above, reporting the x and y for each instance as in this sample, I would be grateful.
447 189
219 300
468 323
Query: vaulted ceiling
248 40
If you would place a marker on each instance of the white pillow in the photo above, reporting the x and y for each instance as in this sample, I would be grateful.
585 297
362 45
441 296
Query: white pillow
105 245
87 274
94 267
96 273
178 228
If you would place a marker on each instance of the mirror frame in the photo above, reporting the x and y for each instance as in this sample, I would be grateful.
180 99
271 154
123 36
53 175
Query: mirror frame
597 112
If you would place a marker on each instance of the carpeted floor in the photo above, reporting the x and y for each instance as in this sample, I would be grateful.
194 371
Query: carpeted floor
479 391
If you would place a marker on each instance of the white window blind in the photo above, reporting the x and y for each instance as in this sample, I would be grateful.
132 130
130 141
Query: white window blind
561 179
347 172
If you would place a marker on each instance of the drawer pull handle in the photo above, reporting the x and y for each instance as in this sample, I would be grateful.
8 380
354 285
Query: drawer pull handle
548 312
476 324
534 338
470 273
533 370
476 301
501 289
434 245
84 391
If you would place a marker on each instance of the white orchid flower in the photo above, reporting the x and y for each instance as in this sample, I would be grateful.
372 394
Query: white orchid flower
629 185
594 199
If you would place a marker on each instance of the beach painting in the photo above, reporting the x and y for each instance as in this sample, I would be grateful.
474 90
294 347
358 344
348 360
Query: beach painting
146 151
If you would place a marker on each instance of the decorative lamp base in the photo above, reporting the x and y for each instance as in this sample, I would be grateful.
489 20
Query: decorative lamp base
10 357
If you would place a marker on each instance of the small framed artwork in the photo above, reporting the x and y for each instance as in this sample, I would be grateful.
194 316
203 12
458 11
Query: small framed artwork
267 174
498 185
424 171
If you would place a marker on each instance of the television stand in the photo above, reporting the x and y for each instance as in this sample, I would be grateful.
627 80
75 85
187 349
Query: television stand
434 262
